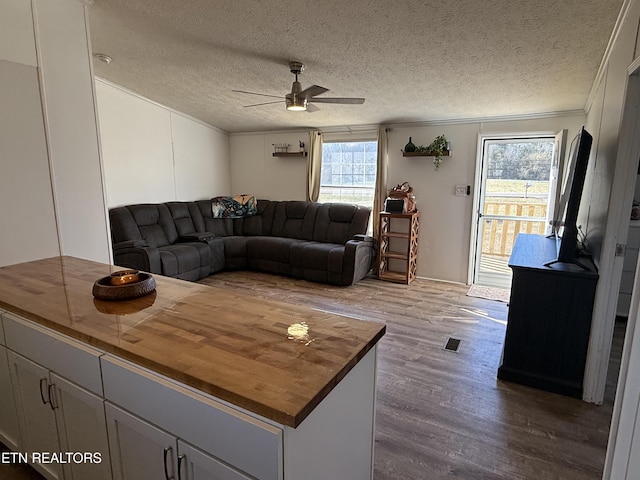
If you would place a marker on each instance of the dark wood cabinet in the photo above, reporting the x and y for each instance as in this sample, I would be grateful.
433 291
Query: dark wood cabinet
549 318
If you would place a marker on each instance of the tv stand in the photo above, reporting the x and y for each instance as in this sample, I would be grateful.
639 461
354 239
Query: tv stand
549 318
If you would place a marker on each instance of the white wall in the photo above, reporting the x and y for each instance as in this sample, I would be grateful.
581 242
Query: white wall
26 200
445 220
70 120
153 154
255 171
48 141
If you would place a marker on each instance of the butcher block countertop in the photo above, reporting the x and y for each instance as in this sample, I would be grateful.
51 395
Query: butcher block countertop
249 351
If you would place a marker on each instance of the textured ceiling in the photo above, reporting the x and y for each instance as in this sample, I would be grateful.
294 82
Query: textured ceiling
413 60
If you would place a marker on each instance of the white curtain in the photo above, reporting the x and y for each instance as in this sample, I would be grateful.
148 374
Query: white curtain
314 165
380 194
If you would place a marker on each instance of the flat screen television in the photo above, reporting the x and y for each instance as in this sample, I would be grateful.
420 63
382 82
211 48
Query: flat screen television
565 223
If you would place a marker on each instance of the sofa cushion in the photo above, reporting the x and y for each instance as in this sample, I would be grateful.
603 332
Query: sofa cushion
186 217
294 219
259 224
339 222
317 256
221 227
154 223
276 249
235 251
188 261
123 226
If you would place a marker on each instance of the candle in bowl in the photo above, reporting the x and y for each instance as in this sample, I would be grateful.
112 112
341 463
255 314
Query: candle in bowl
123 277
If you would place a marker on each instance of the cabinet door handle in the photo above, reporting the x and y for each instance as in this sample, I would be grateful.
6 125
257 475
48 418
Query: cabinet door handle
180 460
166 465
52 396
43 386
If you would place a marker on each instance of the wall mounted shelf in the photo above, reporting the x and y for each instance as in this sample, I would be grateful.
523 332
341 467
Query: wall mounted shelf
290 154
446 153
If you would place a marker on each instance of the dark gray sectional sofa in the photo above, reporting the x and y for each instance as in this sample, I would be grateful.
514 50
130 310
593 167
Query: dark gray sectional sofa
321 242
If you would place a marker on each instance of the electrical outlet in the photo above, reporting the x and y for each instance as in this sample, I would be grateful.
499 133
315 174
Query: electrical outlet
461 190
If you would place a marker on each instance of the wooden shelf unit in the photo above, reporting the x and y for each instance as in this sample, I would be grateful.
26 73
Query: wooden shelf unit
290 154
407 254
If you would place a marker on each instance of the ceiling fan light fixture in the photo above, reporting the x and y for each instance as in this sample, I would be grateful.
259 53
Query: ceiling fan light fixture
295 103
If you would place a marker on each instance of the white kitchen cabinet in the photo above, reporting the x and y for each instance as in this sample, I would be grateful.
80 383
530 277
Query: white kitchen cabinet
329 443
55 414
9 428
82 429
142 451
227 435
139 450
193 464
36 415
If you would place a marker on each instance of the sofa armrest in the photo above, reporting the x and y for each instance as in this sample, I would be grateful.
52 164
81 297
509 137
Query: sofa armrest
359 257
129 244
367 239
363 238
136 254
196 237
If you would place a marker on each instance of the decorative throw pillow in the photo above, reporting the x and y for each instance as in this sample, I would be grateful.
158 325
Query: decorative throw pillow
234 207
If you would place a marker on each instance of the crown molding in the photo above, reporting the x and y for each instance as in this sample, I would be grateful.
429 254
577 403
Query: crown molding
367 128
502 118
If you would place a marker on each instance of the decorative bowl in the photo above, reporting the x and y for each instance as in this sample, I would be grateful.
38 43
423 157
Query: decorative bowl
103 289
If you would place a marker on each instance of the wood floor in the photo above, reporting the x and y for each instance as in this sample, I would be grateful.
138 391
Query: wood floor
444 415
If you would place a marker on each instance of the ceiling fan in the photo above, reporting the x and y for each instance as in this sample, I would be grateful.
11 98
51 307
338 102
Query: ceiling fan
300 100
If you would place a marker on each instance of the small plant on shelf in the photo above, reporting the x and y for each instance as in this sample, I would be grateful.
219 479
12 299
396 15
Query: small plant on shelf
435 149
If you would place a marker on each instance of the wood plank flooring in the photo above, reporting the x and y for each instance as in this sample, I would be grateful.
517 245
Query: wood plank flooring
445 415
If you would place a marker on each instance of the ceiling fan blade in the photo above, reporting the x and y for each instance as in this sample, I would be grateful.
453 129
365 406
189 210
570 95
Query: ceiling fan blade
351 101
312 91
261 94
258 104
311 108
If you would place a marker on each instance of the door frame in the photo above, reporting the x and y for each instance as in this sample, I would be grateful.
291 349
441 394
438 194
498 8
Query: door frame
478 193
625 420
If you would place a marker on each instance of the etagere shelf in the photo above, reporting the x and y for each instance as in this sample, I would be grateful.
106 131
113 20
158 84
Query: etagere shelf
398 240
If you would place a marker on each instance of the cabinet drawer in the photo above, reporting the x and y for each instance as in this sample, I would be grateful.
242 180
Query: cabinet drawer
245 442
65 356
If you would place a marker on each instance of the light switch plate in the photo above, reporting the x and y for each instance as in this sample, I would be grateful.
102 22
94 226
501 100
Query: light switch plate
461 190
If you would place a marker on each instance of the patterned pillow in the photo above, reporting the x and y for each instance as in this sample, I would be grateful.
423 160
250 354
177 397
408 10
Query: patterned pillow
234 207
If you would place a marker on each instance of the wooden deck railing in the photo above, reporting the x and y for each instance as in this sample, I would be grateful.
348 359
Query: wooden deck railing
499 235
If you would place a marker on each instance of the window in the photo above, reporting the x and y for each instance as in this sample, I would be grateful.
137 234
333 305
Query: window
348 172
